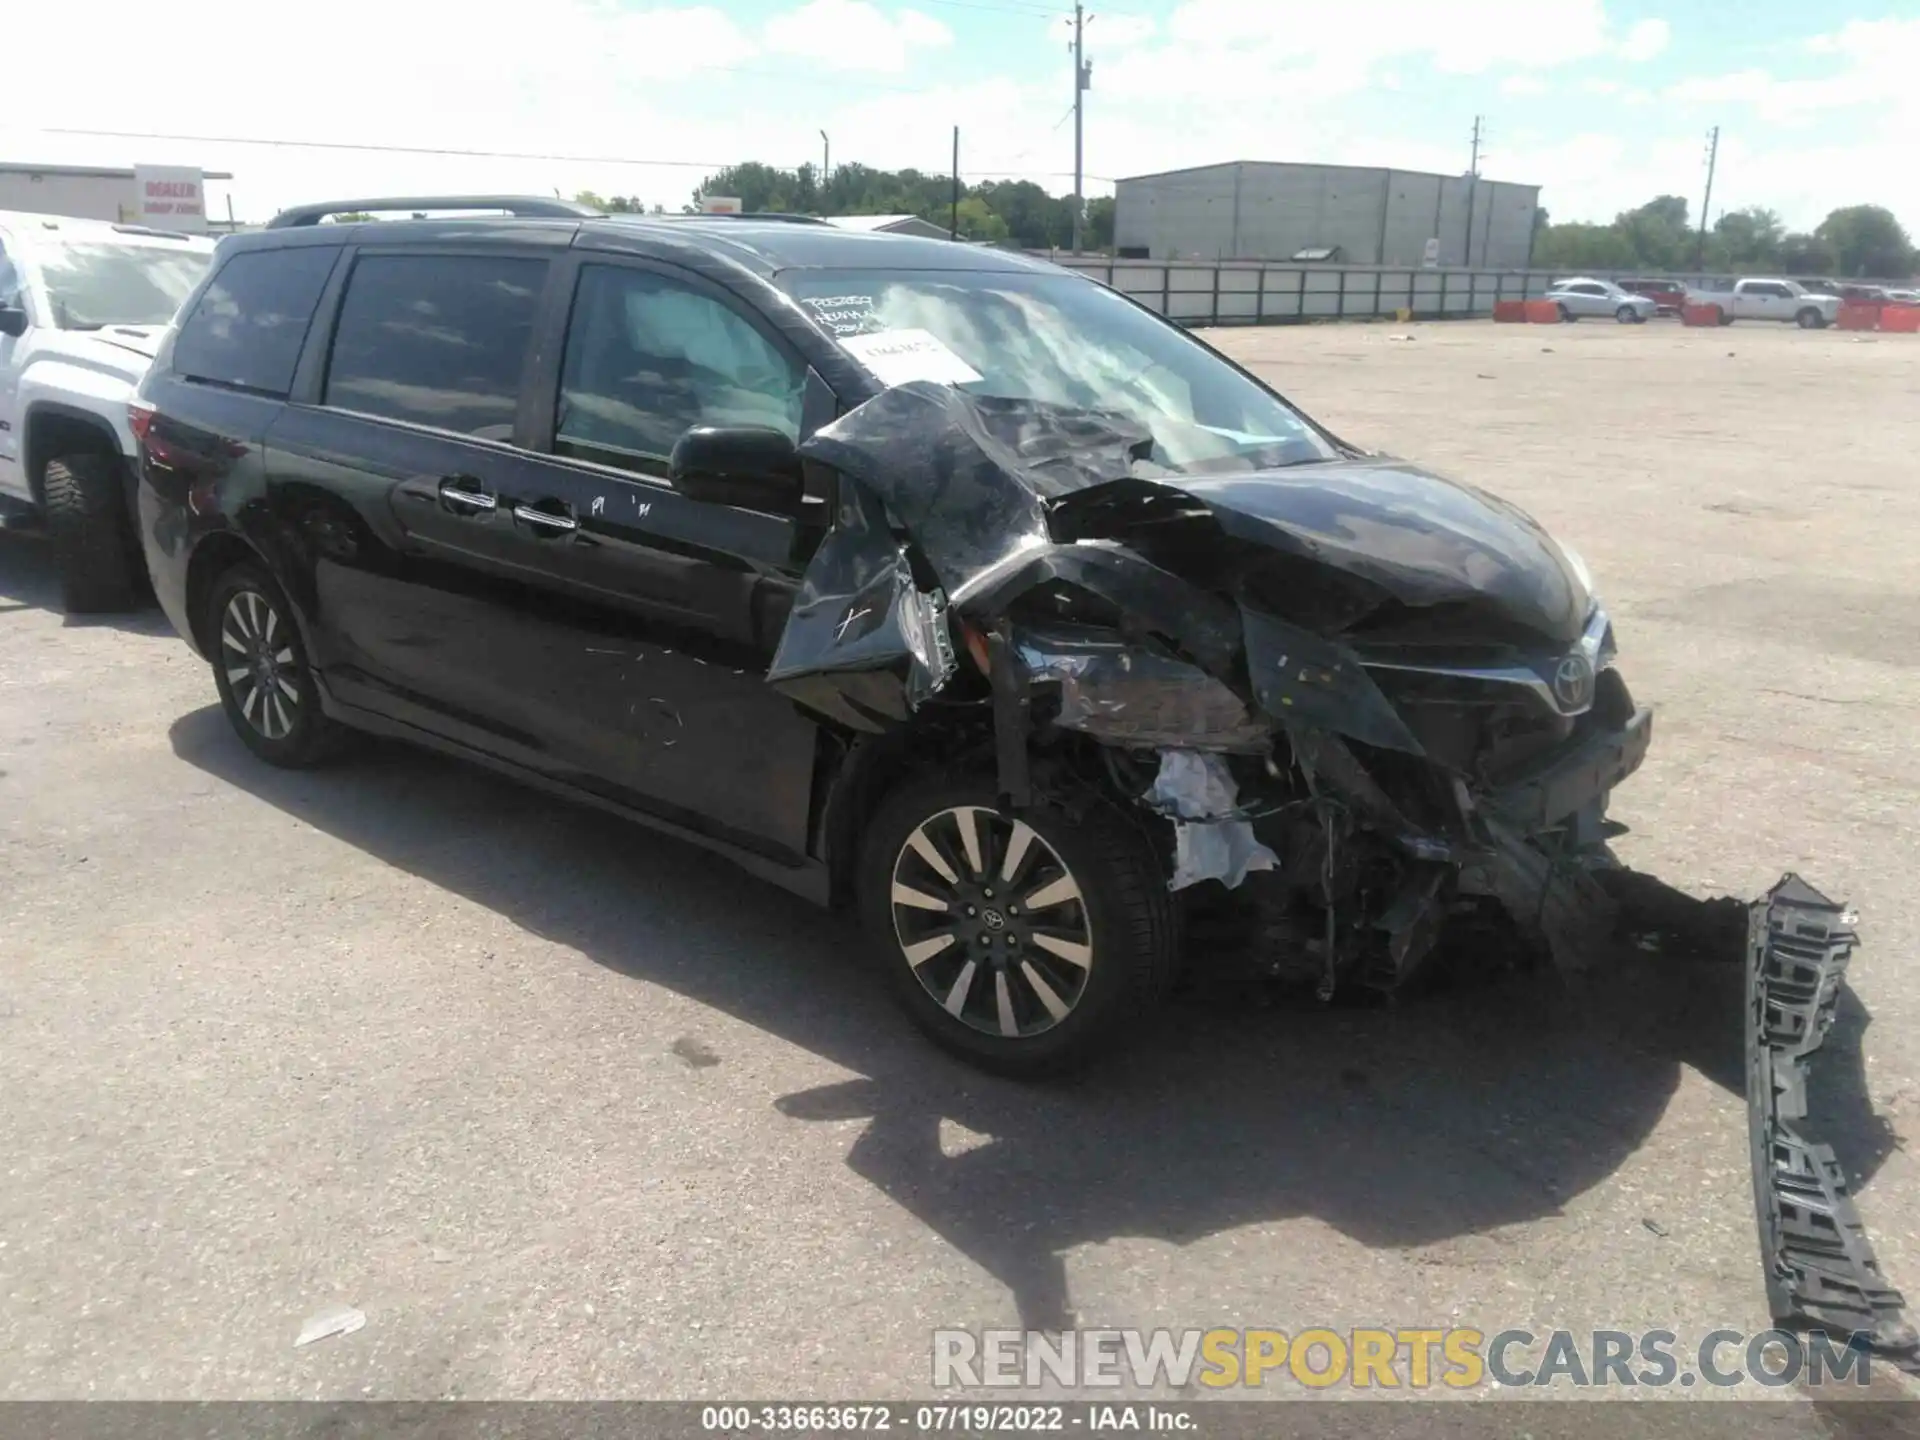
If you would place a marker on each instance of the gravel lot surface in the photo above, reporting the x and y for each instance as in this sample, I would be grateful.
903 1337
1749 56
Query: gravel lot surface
571 1111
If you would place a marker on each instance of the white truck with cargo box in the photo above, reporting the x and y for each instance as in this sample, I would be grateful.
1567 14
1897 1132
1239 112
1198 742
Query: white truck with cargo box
83 304
1768 299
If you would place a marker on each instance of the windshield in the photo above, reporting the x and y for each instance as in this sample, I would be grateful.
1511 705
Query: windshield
92 285
1060 340
1794 287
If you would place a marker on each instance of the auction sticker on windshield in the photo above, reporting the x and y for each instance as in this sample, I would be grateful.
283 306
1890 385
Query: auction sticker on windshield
899 356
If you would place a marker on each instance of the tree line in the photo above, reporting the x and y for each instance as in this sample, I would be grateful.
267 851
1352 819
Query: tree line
1854 242
999 212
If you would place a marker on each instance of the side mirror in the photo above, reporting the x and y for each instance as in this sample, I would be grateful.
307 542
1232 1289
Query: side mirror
13 320
751 466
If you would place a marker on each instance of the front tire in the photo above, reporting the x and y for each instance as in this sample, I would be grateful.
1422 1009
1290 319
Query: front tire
85 499
1567 317
260 669
1810 319
1627 315
1027 944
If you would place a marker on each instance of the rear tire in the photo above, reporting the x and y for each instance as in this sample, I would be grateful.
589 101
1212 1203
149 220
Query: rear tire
1019 994
1721 317
260 669
85 499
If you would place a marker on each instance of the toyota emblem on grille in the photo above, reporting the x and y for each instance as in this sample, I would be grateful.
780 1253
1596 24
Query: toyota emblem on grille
1573 682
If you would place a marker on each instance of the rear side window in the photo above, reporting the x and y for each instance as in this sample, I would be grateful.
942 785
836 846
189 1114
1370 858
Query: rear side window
247 330
437 340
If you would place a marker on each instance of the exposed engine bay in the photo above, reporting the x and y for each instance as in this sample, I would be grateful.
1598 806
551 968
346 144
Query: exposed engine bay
1365 696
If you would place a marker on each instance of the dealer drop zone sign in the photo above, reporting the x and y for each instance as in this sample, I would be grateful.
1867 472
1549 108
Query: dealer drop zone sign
169 197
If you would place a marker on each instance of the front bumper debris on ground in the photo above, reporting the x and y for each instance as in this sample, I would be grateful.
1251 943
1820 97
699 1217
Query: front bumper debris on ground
1820 1268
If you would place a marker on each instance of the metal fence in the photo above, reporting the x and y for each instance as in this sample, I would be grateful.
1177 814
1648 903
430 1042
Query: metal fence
1269 292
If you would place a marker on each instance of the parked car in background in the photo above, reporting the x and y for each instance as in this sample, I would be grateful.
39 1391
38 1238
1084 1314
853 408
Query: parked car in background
929 579
1901 297
1766 298
83 304
1667 295
1582 298
1861 294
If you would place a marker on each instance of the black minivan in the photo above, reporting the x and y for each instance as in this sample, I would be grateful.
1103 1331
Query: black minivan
926 578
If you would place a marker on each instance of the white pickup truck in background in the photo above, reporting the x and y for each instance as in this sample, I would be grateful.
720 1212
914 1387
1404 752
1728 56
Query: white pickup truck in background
83 304
1768 299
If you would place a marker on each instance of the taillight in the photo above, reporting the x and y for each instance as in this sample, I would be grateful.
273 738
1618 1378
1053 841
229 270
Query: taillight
140 418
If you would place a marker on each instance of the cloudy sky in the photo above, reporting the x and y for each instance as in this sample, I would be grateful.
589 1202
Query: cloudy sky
1602 104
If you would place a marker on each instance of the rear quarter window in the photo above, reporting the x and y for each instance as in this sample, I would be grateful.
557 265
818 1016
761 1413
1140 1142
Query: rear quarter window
250 322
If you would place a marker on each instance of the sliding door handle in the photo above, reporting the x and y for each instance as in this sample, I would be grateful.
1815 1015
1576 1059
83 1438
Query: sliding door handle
464 491
546 519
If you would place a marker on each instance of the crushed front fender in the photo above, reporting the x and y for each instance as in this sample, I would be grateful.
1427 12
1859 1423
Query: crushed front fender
863 645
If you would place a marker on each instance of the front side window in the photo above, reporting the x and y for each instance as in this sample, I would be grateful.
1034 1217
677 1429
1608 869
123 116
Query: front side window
649 358
437 340
247 330
93 284
1060 340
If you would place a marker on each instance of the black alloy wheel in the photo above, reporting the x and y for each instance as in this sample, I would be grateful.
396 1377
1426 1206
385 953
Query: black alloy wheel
1024 943
260 669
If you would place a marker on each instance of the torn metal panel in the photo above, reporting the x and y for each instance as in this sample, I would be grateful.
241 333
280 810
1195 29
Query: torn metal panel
1129 694
969 477
1305 679
1820 1267
1155 601
863 644
1212 840
1012 718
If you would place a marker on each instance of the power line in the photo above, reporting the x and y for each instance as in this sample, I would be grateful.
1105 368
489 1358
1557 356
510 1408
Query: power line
389 149
486 154
1039 11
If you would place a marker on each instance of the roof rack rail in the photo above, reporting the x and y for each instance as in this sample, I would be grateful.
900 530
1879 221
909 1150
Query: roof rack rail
786 216
519 205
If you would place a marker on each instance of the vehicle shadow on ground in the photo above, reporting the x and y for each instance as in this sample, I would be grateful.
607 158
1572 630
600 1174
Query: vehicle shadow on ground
1485 1104
30 580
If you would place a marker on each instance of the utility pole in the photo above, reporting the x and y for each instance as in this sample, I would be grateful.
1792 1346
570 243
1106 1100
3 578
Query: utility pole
953 215
1082 77
1473 185
1706 205
826 158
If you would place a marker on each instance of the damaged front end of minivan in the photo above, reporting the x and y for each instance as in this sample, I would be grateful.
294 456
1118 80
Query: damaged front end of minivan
1367 698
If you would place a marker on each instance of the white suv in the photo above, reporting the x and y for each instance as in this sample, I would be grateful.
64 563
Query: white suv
82 307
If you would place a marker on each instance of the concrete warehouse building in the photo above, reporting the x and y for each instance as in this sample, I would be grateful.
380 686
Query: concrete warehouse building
91 192
1255 210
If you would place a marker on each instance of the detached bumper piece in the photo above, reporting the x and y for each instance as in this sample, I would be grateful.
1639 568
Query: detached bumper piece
1820 1269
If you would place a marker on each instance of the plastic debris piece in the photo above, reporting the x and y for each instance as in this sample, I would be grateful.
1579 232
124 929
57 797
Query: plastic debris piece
1654 1226
1210 841
1192 786
1820 1267
325 1324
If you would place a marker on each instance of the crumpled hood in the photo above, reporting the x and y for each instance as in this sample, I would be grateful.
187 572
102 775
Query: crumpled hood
1424 539
997 497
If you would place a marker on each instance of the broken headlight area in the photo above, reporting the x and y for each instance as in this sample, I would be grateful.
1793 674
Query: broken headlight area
1364 698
